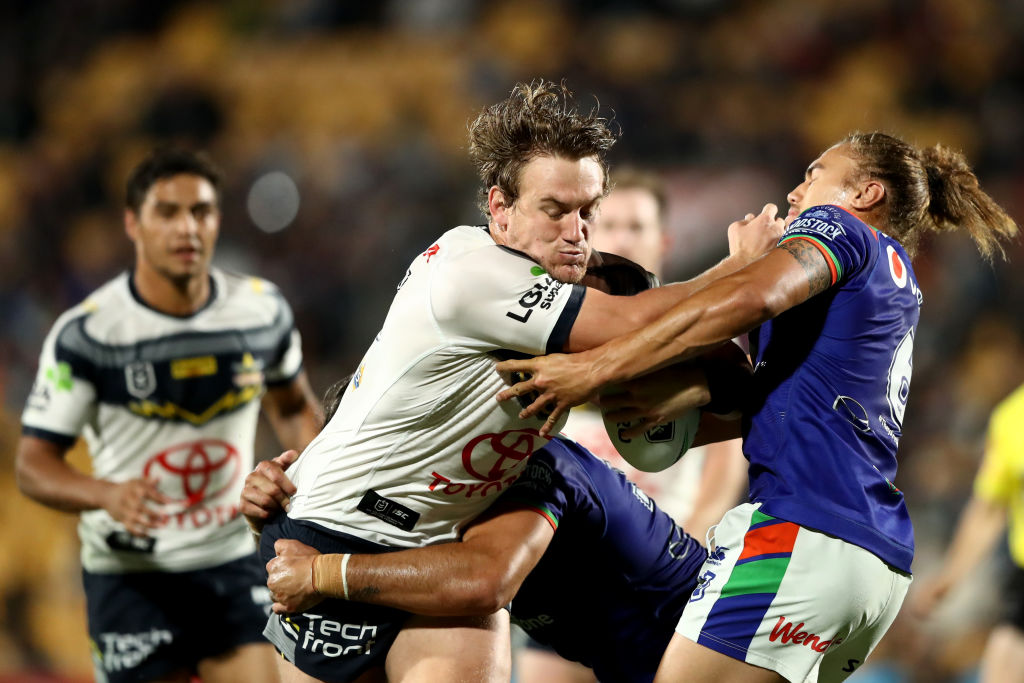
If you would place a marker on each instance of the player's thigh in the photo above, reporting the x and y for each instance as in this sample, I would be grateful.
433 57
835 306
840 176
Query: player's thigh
289 673
534 665
687 662
253 663
1003 660
452 649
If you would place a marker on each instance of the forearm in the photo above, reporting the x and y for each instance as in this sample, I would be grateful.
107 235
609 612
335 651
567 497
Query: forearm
433 581
44 476
296 430
721 311
978 531
657 301
294 413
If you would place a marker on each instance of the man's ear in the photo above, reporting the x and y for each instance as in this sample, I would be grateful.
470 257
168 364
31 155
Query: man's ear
868 195
498 205
131 225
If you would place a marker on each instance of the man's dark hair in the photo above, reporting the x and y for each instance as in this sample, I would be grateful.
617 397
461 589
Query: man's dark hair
166 162
537 119
333 396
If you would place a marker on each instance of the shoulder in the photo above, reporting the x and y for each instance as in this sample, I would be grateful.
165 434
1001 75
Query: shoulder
829 222
254 298
1010 411
469 246
101 310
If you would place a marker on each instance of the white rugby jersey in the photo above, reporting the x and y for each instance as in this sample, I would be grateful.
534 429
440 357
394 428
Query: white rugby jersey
419 444
175 398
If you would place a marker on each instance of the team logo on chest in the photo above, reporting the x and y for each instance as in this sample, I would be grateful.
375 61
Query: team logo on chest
897 268
140 379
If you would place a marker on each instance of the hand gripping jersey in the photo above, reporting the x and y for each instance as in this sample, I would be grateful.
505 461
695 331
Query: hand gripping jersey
832 378
419 445
174 398
612 585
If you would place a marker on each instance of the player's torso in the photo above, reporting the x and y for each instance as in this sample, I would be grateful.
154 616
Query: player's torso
176 400
616 614
419 444
833 377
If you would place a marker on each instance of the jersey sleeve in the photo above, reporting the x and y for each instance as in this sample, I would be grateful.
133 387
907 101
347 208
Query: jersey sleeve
498 298
63 396
541 488
996 480
846 243
287 360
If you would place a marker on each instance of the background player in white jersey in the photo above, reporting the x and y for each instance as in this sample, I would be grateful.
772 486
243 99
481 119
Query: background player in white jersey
162 370
419 446
701 486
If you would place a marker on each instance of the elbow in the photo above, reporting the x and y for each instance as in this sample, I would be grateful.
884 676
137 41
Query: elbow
487 593
25 477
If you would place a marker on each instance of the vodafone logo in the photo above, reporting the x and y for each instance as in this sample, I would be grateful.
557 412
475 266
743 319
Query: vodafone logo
197 471
897 268
490 457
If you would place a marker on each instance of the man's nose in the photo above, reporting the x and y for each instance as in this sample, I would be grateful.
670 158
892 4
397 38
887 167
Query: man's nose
575 229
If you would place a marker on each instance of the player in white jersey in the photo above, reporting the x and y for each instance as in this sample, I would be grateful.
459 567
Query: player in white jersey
701 487
162 370
419 446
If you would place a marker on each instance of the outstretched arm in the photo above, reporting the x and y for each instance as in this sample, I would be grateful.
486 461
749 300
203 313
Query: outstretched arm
727 308
604 317
477 576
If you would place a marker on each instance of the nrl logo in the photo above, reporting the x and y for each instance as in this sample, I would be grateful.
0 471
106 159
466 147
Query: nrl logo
140 379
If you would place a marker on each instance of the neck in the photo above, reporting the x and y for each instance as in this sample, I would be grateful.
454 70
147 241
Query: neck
497 234
174 296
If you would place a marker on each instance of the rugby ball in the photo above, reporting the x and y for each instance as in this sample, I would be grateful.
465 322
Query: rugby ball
657 448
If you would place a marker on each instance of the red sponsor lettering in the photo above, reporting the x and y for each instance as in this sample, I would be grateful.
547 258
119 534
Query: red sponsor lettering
431 251
468 490
198 517
791 633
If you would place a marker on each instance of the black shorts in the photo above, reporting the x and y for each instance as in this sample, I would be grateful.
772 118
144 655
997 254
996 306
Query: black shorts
1013 604
147 624
336 641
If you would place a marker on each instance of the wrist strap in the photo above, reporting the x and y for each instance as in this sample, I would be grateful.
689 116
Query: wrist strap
344 575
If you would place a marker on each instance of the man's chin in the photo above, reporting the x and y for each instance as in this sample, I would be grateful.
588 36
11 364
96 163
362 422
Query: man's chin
569 274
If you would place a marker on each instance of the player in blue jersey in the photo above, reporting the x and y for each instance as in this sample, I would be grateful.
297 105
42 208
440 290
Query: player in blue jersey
598 572
806 577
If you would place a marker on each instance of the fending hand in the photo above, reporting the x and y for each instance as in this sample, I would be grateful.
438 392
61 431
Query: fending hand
754 236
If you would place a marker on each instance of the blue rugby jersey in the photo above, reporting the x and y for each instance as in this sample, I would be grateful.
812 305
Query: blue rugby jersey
832 377
613 583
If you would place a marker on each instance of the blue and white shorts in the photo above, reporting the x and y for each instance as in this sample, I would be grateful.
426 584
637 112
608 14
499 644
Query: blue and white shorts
780 596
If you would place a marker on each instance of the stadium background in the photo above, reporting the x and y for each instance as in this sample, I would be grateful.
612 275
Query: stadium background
341 130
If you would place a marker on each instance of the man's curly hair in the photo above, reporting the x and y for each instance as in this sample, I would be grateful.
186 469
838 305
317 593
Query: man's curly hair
537 119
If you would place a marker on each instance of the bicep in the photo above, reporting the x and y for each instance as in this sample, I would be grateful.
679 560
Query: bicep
813 264
516 538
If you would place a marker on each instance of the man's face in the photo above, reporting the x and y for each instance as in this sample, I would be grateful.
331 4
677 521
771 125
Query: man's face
552 218
827 181
629 224
176 227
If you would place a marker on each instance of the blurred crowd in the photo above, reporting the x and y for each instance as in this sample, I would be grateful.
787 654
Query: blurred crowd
341 129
